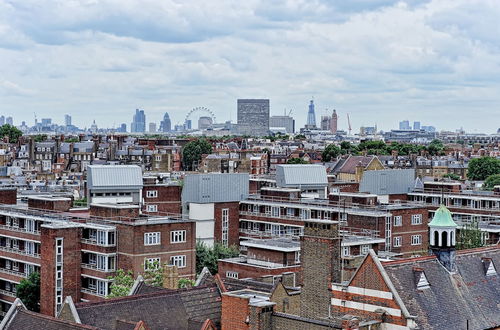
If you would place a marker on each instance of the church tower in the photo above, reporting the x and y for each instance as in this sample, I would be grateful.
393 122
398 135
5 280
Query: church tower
442 237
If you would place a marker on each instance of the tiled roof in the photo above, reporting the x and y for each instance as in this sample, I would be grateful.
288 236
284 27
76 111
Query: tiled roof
349 166
165 309
24 319
451 299
234 285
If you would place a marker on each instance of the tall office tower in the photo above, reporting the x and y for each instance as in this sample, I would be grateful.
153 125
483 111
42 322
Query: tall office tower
188 124
165 124
253 117
9 121
334 122
2 120
67 120
152 127
311 116
325 123
405 124
122 128
283 121
139 122
416 125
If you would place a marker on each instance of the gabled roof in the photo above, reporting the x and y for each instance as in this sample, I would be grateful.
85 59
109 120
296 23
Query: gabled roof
165 309
451 299
114 176
350 164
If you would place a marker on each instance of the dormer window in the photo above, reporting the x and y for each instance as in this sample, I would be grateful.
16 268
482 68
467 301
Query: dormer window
489 267
421 279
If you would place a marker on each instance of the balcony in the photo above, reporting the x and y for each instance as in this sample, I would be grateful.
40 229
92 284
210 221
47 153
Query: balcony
94 267
8 293
12 272
90 291
93 241
21 252
19 230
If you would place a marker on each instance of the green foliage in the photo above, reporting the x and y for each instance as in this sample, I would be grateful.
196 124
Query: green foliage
297 161
72 140
80 202
452 176
122 283
482 168
28 290
12 132
191 155
348 148
208 256
330 152
153 275
492 181
40 137
469 237
300 137
185 283
435 148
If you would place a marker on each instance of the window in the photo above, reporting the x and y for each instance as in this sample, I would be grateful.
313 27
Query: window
152 263
365 248
416 219
297 257
179 261
268 209
388 233
101 262
15 222
398 241
152 238
398 220
102 288
151 193
177 236
15 266
416 239
346 251
29 247
230 274
275 211
152 208
29 225
290 212
256 208
158 158
225 227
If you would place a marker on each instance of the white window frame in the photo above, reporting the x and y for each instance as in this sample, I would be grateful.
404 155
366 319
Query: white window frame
346 251
152 238
231 274
416 219
397 241
177 236
152 193
151 261
416 239
179 261
152 208
398 220
365 248
225 227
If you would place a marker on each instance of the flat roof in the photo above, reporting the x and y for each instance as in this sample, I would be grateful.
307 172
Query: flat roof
277 244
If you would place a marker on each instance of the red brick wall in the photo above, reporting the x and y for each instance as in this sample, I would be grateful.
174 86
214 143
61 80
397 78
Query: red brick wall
71 266
252 271
8 196
168 198
124 214
234 222
54 205
235 311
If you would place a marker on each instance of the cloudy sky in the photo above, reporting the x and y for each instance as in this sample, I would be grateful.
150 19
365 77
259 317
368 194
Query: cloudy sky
380 61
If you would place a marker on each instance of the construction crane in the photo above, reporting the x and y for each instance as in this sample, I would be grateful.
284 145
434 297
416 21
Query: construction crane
349 122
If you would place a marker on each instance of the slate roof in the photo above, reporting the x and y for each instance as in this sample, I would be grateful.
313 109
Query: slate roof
349 165
24 319
166 309
451 299
240 284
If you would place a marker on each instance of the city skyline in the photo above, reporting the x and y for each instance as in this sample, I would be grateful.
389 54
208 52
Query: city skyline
381 62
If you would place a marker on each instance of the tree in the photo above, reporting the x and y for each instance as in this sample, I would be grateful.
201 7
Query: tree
481 168
191 155
40 137
297 161
28 290
153 274
452 176
330 152
122 283
185 283
12 132
436 147
469 236
208 256
492 181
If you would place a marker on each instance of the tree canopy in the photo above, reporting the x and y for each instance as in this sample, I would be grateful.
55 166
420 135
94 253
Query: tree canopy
192 152
12 132
297 161
122 283
208 256
330 152
28 290
469 236
492 181
482 168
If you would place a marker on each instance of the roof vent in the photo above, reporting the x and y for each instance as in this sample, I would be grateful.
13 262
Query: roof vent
421 279
489 267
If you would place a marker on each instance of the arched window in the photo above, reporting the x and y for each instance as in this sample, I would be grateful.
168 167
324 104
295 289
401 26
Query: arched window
436 238
452 239
444 240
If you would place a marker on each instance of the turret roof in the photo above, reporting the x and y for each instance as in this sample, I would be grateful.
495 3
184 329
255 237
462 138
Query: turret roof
442 218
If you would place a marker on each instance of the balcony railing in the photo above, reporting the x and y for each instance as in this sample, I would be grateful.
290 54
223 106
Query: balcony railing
92 241
17 251
8 293
94 267
12 272
92 292
21 230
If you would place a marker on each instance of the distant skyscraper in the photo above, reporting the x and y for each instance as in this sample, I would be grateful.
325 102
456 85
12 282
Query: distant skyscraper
188 124
311 116
122 128
325 123
67 120
405 124
253 117
46 122
139 122
334 122
152 128
9 121
416 125
283 121
2 120
165 124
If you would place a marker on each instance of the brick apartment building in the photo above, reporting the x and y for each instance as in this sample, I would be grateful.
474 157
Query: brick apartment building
77 252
